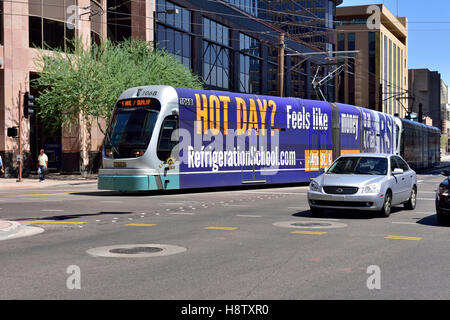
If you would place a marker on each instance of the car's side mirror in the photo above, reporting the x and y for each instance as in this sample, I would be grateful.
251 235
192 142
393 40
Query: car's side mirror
397 171
445 173
323 170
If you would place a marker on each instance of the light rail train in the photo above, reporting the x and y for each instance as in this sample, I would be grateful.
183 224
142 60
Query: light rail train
166 138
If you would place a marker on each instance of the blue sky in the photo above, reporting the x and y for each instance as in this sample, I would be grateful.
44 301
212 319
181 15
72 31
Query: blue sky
429 31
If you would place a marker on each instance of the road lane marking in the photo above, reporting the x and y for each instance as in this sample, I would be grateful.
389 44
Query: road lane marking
308 232
183 213
273 193
403 238
395 222
221 228
235 205
50 222
427 199
52 210
141 224
248 216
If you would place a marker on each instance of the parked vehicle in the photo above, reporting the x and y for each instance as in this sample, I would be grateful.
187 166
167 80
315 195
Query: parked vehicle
443 200
373 182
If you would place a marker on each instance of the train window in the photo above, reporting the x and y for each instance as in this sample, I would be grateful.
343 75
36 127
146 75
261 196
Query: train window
167 143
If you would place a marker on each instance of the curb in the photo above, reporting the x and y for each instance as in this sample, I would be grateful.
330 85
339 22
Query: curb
8 228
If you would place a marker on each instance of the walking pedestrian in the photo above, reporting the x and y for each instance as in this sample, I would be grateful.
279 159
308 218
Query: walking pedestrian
42 165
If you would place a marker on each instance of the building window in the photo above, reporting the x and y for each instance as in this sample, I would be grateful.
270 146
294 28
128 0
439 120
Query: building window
341 78
47 24
298 78
250 64
180 21
372 62
272 71
351 64
390 78
216 54
394 80
173 31
119 20
249 6
385 76
96 23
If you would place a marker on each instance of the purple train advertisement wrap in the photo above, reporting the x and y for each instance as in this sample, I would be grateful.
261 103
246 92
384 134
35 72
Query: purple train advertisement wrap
233 139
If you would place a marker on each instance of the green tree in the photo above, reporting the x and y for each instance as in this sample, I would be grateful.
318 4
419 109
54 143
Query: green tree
88 81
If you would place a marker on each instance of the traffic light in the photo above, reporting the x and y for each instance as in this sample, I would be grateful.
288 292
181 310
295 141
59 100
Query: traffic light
28 105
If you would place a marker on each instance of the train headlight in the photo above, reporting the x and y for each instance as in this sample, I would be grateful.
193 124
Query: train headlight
138 153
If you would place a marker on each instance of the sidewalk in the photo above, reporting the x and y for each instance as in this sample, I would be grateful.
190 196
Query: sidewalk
50 180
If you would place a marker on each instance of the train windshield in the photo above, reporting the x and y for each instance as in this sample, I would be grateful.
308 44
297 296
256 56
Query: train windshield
130 131
359 165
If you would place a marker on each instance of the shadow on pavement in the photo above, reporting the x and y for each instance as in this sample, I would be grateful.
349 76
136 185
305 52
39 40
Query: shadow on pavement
75 216
346 214
431 221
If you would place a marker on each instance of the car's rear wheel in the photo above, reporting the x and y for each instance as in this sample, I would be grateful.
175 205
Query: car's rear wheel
411 204
387 205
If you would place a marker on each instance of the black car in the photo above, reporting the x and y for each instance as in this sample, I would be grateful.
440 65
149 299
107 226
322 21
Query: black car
443 200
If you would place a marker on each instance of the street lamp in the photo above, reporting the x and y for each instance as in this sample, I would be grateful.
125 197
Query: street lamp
167 11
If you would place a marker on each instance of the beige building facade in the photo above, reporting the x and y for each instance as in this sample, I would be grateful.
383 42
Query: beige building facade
377 76
27 28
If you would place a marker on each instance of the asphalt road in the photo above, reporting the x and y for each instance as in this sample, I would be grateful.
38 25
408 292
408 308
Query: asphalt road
236 247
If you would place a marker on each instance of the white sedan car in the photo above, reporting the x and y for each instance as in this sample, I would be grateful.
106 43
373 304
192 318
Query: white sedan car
363 181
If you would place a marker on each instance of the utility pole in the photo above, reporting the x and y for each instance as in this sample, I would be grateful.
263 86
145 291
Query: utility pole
20 136
280 79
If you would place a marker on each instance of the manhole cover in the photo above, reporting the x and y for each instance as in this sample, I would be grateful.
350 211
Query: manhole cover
135 250
309 224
